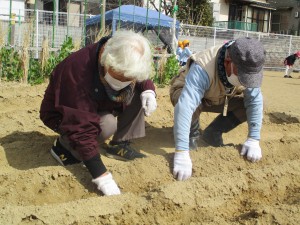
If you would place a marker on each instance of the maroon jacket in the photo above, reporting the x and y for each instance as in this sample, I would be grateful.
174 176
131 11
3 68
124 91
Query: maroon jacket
74 97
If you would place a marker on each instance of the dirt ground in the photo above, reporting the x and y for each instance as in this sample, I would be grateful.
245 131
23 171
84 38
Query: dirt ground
224 189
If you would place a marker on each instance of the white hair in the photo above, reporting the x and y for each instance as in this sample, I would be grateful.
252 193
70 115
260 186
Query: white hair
129 53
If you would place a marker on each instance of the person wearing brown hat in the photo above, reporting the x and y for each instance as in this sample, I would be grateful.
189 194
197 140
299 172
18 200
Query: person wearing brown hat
226 80
96 93
289 63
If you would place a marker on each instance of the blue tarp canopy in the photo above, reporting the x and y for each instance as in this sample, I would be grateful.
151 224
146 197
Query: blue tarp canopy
131 14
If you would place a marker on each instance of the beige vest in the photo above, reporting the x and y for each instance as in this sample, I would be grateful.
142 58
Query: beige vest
207 59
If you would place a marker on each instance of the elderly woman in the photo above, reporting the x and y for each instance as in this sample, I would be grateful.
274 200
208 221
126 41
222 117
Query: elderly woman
100 91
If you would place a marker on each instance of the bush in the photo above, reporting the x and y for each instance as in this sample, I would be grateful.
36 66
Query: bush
37 74
10 64
166 69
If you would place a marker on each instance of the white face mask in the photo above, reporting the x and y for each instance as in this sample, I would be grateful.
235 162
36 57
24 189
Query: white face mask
114 83
233 79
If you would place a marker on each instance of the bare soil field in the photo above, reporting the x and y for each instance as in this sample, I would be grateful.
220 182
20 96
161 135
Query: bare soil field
224 188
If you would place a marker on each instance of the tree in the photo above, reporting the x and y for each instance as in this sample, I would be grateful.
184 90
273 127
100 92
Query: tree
165 7
196 12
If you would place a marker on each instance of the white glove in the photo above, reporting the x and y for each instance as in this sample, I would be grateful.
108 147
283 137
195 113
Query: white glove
252 149
107 185
148 102
182 165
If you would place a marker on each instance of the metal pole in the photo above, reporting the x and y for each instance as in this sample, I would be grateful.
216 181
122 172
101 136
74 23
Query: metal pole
19 25
119 24
147 17
53 22
103 9
57 11
101 14
159 9
68 17
133 13
9 28
37 33
215 35
174 29
36 17
290 45
84 23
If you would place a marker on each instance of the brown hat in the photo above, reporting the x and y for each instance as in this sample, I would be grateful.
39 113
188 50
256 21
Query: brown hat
248 54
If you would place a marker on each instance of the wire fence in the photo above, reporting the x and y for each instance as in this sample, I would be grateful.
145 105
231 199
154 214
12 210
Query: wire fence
37 25
277 46
40 25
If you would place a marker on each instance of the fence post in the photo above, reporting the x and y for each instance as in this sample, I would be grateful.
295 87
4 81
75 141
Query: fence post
84 23
103 9
290 47
13 24
215 35
68 17
37 34
9 25
119 24
147 18
174 42
19 25
53 21
159 11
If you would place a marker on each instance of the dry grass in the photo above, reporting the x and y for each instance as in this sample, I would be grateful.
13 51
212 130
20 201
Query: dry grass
77 44
3 34
45 52
161 67
24 51
101 33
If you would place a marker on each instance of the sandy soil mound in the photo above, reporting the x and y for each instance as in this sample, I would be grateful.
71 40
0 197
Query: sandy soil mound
225 188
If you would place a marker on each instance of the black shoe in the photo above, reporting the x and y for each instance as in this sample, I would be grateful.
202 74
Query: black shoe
194 135
194 139
122 151
290 77
62 155
213 137
194 142
286 76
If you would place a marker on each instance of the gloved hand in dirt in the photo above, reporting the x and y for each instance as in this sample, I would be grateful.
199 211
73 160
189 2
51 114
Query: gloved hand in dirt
107 185
252 150
148 102
182 165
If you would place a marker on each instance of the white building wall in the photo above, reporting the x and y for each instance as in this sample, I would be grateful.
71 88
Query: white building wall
220 10
18 7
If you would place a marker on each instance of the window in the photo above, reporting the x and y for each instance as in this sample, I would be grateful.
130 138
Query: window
260 17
